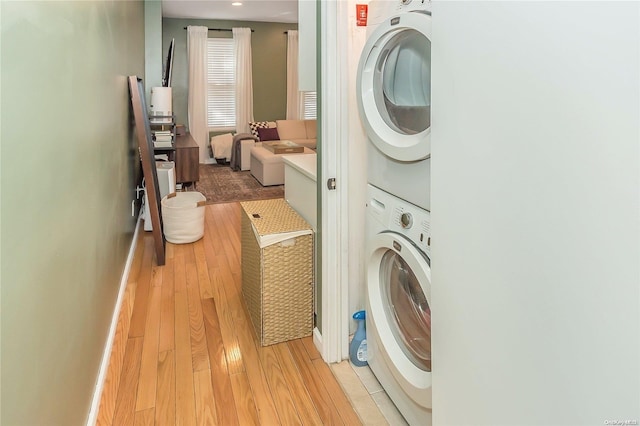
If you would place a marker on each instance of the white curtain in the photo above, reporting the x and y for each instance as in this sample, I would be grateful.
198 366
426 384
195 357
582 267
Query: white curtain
293 96
197 100
244 79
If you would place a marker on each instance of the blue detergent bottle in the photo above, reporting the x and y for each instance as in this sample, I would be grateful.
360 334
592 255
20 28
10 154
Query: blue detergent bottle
358 346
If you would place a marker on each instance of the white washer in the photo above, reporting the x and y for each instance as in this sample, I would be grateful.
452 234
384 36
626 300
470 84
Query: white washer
394 100
398 316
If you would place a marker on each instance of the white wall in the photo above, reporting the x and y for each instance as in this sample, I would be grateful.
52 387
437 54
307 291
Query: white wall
536 212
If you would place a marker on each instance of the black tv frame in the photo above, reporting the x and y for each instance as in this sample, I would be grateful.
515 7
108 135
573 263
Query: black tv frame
168 67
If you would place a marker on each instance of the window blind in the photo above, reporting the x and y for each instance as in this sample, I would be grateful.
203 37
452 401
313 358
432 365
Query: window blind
309 105
221 84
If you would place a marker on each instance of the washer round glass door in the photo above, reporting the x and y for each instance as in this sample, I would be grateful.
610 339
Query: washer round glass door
394 87
399 288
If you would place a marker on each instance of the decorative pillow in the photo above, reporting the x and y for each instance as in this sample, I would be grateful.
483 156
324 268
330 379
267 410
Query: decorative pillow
255 125
268 134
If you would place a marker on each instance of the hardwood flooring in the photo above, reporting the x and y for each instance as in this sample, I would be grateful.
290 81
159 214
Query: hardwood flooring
185 352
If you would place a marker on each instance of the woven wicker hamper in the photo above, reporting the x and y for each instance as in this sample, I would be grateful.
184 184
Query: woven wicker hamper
277 270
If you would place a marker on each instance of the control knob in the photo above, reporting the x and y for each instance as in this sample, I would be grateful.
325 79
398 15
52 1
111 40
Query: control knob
406 220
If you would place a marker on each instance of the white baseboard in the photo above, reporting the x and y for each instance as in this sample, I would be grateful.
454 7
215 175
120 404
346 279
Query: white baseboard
106 356
317 339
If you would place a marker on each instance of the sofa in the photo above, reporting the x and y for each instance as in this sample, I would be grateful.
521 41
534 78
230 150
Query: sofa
301 132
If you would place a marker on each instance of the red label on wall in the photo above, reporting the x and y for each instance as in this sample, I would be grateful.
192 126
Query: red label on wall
361 15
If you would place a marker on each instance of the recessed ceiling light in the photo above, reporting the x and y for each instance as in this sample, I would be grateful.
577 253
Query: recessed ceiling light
236 3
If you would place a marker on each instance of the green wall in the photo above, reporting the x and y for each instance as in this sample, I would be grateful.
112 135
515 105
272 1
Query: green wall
152 46
69 166
269 60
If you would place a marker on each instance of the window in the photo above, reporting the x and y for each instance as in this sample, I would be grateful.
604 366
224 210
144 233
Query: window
309 105
221 84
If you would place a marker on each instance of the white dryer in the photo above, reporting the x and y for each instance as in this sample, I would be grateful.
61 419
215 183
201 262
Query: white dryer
394 100
398 302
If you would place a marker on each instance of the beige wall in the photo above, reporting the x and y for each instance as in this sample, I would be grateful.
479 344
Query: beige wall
269 60
68 170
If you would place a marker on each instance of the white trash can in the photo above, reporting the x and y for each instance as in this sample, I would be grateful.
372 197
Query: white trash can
183 216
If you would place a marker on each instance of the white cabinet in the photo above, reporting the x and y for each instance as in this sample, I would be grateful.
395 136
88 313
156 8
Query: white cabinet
300 186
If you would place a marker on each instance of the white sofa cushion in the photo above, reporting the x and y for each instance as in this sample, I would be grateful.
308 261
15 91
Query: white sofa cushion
312 129
309 143
291 129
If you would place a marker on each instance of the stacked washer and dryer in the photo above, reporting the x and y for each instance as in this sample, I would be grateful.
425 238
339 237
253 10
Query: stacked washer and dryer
394 101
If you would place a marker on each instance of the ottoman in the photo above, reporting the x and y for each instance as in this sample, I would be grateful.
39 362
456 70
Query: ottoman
268 167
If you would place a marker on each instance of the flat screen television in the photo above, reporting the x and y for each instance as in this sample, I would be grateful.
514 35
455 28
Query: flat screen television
168 65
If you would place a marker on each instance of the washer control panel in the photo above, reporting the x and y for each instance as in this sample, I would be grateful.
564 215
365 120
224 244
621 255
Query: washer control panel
388 212
413 222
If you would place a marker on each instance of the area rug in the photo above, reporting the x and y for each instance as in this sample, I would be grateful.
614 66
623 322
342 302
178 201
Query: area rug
219 184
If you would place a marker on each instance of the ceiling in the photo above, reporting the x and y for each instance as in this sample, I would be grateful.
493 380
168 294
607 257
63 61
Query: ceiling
285 11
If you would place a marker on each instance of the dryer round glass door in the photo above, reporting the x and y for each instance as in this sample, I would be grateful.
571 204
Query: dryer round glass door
399 288
394 87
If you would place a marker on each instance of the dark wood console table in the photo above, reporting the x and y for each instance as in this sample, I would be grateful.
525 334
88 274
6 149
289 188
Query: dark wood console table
187 158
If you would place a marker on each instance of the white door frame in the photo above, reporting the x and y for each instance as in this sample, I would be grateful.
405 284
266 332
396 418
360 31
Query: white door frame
333 38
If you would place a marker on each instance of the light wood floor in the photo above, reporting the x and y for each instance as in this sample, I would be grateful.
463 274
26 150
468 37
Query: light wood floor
185 351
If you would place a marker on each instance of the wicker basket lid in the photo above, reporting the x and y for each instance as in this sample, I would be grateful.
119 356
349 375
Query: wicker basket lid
273 217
